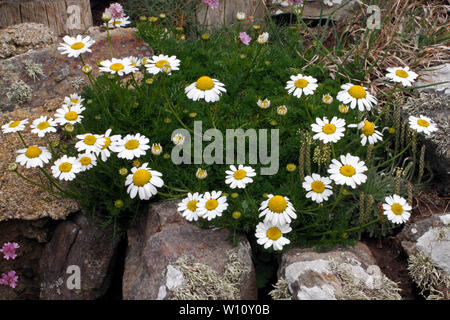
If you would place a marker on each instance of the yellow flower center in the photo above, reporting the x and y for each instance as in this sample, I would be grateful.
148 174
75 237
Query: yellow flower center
357 92
65 167
141 177
368 129
301 83
329 128
277 204
74 101
347 171
14 124
423 123
318 186
291 167
273 233
117 22
211 204
192 205
85 161
90 140
107 143
401 73
161 63
77 46
43 125
116 67
33 152
132 144
71 116
156 148
204 83
201 173
240 174
397 209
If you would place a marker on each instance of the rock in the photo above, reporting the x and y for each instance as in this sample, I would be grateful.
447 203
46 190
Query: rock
436 74
20 199
60 73
437 155
166 255
312 9
339 274
77 242
31 237
427 243
23 37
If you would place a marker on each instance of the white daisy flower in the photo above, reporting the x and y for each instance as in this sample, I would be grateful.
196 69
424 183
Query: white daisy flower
240 16
69 114
14 126
368 132
356 95
211 205
156 64
282 110
201 174
396 209
135 62
263 104
91 143
277 209
422 124
402 75
131 146
178 139
319 188
301 84
189 206
239 177
327 99
66 168
349 171
43 125
87 161
74 46
156 149
331 3
263 38
33 156
117 66
205 88
105 149
328 131
119 22
271 235
144 181
73 99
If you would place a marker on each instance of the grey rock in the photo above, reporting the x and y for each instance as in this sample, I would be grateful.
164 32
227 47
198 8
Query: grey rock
78 243
162 239
437 74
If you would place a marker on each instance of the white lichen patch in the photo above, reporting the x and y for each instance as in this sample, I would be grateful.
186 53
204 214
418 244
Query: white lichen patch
324 292
445 218
201 282
428 277
435 243
296 269
19 92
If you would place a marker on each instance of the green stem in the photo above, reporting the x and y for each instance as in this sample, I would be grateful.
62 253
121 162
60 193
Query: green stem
387 103
108 37
250 200
21 139
396 156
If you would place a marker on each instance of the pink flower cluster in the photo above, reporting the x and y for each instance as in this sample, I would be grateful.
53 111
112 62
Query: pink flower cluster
9 279
9 252
245 38
116 10
213 4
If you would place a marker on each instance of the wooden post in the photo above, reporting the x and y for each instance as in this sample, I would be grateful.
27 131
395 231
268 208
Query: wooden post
226 13
62 16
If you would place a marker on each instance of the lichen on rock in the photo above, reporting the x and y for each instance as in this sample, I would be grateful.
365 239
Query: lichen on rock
19 92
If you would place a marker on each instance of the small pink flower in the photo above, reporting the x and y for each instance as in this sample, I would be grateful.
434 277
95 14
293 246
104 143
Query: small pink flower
9 250
213 4
245 38
9 279
116 10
